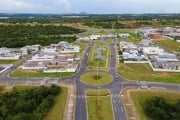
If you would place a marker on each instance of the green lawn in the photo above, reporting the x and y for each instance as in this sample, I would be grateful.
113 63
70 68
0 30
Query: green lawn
97 63
96 79
143 72
101 110
139 97
95 93
57 111
134 38
8 61
21 73
169 44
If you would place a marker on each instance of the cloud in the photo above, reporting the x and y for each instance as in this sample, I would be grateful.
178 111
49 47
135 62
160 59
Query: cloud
18 5
90 6
64 4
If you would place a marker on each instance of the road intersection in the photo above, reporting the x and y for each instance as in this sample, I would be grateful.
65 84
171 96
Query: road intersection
114 87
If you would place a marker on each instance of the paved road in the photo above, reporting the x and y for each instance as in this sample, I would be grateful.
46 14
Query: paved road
115 87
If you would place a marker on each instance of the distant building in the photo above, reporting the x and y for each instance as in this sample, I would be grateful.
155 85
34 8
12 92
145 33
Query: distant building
95 37
124 35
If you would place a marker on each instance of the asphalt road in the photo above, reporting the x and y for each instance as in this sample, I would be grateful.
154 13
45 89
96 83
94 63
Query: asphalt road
115 87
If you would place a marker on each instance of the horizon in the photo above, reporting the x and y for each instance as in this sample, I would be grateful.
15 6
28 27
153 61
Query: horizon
90 7
84 13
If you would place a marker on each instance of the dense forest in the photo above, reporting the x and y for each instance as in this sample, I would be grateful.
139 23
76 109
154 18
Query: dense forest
30 104
158 108
21 35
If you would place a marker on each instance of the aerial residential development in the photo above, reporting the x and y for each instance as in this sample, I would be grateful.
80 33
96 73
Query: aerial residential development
105 63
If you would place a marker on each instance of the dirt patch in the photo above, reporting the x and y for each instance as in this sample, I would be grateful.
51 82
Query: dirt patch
129 106
5 91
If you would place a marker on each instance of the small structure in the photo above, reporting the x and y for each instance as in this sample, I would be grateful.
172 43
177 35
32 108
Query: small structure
124 35
95 37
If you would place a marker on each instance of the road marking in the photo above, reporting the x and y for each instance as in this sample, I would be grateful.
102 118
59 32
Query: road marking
115 109
121 109
144 85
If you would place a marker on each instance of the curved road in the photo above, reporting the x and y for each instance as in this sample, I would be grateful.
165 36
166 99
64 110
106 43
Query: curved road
115 87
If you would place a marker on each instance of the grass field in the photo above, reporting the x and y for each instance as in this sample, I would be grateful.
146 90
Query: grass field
25 74
139 97
57 111
134 38
169 44
8 61
96 79
97 63
99 108
95 93
143 72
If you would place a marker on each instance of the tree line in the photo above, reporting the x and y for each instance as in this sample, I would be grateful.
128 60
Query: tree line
30 104
157 108
21 35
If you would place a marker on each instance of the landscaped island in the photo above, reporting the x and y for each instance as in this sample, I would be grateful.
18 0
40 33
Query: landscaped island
99 105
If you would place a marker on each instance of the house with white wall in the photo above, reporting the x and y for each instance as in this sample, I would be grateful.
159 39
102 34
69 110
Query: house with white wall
9 54
41 58
34 65
124 35
95 37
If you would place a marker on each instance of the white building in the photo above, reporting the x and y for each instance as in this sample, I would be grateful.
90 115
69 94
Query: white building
71 49
95 37
124 35
33 48
83 39
9 54
29 65
42 57
49 51
152 50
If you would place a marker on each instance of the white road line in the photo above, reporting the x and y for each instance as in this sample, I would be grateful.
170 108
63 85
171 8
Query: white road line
121 109
115 109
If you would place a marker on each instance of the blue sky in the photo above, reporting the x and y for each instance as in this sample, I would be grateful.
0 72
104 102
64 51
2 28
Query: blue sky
90 6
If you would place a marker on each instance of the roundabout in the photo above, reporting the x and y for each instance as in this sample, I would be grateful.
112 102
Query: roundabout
96 79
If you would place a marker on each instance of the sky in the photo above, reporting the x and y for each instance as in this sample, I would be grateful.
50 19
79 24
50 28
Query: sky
90 6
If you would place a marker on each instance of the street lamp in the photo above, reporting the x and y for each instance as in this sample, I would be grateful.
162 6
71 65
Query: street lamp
98 94
74 81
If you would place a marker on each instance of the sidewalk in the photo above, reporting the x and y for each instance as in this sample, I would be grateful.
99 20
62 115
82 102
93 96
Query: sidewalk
70 104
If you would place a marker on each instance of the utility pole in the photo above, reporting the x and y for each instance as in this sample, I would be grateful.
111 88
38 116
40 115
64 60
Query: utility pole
98 95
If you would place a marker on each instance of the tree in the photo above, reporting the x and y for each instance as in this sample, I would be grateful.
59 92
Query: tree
158 109
30 104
